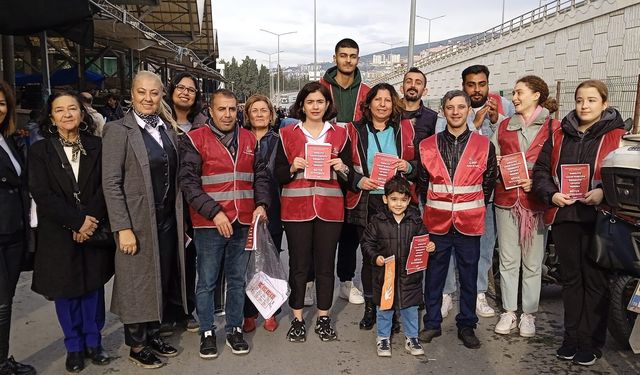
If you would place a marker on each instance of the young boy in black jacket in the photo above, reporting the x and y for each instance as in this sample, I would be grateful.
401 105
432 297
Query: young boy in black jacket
390 233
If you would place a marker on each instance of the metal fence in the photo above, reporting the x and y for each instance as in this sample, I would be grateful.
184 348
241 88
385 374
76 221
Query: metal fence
623 95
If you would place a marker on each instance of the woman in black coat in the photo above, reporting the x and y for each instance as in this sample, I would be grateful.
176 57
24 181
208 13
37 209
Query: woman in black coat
13 225
68 269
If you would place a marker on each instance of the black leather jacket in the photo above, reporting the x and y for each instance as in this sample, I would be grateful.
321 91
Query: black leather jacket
451 148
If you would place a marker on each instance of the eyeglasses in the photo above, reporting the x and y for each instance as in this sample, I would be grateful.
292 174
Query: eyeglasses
190 90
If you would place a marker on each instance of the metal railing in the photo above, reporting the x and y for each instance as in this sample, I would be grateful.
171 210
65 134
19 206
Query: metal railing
544 12
120 14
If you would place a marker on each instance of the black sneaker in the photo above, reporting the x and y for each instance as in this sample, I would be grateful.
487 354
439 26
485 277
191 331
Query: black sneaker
97 355
468 337
145 358
74 362
324 330
236 342
161 348
297 332
426 335
11 366
585 358
566 352
383 348
208 347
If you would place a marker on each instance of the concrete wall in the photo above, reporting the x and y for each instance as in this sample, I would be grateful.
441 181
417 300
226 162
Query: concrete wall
599 39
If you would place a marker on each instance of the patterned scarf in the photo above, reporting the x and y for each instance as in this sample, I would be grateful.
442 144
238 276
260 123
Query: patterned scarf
76 147
152 120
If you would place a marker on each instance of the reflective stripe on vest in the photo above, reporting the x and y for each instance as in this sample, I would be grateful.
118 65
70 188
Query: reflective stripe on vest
445 188
230 195
449 206
227 177
314 190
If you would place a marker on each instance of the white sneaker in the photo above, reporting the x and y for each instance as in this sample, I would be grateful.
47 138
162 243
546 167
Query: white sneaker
508 321
482 307
447 305
527 325
349 292
309 294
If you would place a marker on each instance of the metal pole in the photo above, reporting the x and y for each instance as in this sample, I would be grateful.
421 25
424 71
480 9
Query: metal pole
278 67
429 37
502 22
412 33
636 113
8 60
44 50
315 56
558 88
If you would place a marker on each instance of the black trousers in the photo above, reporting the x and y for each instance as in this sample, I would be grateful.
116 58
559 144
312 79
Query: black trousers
316 239
139 334
347 247
11 252
173 311
585 287
375 204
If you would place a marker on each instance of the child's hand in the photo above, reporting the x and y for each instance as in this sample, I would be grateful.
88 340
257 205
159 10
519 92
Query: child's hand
380 260
431 247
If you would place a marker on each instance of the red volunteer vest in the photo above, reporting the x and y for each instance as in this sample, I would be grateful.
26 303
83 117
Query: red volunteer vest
362 94
608 143
459 203
302 199
407 135
228 181
509 144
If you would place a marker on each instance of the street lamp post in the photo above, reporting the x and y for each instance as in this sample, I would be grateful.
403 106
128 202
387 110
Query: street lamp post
278 66
429 34
270 75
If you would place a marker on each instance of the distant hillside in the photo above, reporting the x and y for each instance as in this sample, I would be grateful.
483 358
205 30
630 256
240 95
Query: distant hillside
402 50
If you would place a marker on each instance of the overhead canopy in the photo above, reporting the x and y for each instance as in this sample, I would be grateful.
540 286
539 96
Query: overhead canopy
60 77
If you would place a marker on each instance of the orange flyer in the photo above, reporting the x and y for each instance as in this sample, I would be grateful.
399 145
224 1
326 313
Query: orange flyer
383 168
418 254
513 169
574 180
386 299
317 156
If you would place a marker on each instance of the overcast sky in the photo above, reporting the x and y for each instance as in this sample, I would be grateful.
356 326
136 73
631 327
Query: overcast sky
369 22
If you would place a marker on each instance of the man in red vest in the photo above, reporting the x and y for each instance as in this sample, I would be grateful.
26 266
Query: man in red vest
458 170
344 81
227 186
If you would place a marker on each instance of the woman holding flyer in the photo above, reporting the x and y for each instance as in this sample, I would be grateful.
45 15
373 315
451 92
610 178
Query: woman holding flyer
522 235
382 145
587 135
312 165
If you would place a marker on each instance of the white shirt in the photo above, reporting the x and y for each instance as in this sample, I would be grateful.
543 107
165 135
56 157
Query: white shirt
155 132
75 165
321 137
14 161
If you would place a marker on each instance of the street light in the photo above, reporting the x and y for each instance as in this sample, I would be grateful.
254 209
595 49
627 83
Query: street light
278 66
429 35
270 75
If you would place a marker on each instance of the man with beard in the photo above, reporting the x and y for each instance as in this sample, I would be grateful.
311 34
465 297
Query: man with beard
458 169
344 81
487 111
414 87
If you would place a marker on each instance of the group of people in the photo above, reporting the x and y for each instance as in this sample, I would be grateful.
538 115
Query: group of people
164 174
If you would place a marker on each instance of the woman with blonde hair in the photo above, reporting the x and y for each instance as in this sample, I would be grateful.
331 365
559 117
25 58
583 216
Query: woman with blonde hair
140 163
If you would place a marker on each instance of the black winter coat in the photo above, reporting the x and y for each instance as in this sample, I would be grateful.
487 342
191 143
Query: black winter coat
577 148
63 268
384 236
424 123
360 214
13 191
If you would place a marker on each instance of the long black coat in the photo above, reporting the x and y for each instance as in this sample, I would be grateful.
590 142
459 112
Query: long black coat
384 236
63 268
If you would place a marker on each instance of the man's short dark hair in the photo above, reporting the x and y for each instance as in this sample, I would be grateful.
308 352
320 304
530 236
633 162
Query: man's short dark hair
413 69
223 92
397 184
347 43
453 94
475 69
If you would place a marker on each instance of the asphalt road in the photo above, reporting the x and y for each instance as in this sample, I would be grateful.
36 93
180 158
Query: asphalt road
36 338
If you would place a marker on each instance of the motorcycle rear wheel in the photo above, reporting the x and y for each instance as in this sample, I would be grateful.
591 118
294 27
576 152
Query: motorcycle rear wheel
621 320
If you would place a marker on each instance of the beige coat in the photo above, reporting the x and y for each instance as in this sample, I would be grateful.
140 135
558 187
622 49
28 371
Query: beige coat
128 192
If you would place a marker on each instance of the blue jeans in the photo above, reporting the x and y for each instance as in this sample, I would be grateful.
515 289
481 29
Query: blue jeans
212 248
409 321
487 245
467 253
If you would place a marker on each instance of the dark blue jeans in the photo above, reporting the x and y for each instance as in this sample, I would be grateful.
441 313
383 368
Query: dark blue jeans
211 248
467 253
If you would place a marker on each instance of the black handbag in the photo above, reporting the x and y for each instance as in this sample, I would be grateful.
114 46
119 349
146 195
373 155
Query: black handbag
616 244
102 237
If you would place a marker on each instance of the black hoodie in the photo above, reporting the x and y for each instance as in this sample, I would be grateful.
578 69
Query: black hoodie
577 148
